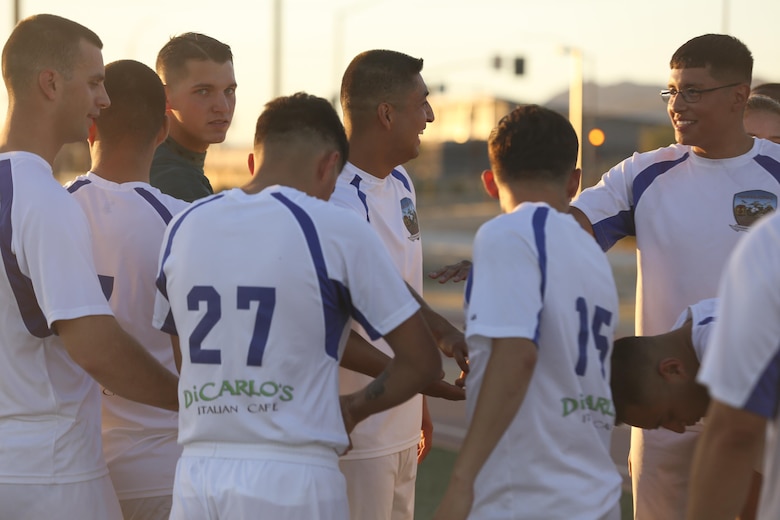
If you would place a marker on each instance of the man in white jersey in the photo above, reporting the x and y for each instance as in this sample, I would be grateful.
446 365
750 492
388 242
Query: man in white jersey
687 205
741 372
654 382
541 310
57 328
261 282
654 377
385 105
127 218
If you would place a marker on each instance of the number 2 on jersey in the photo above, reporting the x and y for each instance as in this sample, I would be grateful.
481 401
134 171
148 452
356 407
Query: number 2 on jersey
601 316
266 301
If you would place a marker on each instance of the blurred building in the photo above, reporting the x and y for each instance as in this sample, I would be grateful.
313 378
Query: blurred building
631 117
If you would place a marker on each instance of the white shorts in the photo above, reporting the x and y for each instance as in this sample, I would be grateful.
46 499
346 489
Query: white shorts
381 488
149 508
90 500
209 487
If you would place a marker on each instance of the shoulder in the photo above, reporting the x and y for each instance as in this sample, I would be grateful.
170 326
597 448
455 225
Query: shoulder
666 158
400 175
173 204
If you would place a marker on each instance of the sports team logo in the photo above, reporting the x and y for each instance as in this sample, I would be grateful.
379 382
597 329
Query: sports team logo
751 205
410 218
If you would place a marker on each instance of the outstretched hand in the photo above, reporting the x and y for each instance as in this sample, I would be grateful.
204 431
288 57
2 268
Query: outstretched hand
453 344
455 272
444 390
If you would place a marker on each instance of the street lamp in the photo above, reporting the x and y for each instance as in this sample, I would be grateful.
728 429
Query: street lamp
276 73
575 96
339 17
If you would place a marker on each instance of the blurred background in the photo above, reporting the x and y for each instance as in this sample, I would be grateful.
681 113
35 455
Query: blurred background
601 63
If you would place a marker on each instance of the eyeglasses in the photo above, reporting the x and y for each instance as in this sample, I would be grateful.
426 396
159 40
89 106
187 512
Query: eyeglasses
690 95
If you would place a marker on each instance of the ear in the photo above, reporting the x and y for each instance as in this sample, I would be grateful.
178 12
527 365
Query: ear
672 369
489 182
250 161
48 82
741 95
573 183
327 166
167 97
384 112
92 133
162 133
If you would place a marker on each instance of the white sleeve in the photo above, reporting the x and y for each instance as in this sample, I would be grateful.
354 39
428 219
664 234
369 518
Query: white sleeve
608 204
742 365
504 295
54 248
162 317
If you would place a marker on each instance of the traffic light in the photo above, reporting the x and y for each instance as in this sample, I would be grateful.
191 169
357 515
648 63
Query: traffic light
519 66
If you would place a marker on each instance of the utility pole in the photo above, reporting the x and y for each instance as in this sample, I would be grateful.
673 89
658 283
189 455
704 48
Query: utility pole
17 11
276 73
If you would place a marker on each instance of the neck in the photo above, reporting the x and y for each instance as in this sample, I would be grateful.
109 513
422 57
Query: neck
370 153
122 164
185 139
280 169
731 145
514 193
28 133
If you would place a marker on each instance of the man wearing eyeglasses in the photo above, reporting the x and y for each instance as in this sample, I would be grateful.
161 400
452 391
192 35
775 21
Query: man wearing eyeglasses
687 205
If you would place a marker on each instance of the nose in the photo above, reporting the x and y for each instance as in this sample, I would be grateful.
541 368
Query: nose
429 116
221 103
677 103
103 101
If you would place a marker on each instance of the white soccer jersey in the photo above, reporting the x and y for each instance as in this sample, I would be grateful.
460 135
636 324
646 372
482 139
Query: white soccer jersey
389 205
537 275
742 367
50 414
261 289
702 315
128 221
687 214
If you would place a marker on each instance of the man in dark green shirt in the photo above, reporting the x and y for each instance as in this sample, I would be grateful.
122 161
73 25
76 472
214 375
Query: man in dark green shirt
200 86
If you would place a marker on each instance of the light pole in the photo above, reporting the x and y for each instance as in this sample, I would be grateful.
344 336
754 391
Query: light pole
339 16
276 73
575 96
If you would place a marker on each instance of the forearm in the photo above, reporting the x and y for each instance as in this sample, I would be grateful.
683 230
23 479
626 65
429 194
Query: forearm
116 361
504 386
437 324
361 356
416 365
723 466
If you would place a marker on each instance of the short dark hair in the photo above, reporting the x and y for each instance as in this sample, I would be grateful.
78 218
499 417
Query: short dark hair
375 77
39 42
762 103
173 57
771 90
632 367
137 110
533 143
727 58
302 115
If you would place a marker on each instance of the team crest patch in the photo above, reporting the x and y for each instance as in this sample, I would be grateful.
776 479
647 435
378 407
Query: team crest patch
410 218
751 205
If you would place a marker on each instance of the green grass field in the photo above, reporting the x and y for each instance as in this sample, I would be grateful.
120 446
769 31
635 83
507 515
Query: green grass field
433 476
